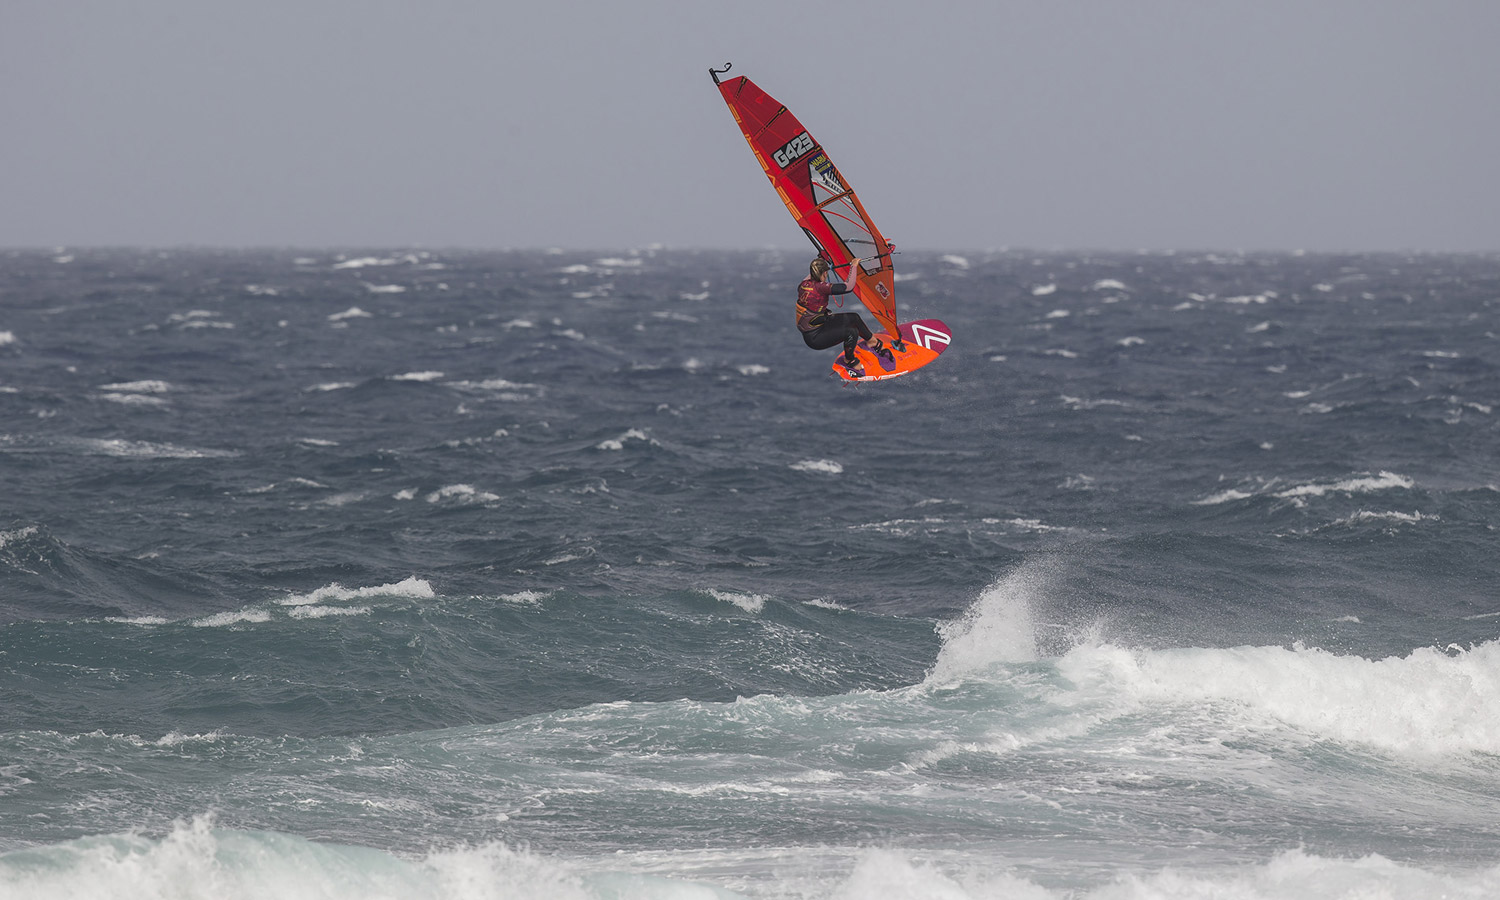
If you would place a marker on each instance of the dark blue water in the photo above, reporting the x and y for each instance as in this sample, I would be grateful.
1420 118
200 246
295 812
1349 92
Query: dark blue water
575 574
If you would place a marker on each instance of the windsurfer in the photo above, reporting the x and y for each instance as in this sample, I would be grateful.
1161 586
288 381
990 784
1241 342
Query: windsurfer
822 329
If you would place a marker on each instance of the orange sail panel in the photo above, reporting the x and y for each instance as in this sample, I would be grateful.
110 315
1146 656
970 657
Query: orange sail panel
816 195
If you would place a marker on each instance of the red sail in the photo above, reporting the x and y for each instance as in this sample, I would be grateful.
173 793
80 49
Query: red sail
816 195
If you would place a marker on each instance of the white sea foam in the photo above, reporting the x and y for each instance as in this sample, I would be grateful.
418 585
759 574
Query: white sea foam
996 629
1058 314
524 598
364 261
7 338
233 617
384 288
1130 341
461 493
196 861
1384 481
1080 403
417 376
753 369
135 400
1428 702
411 589
886 874
751 603
138 620
1043 290
148 450
1398 518
19 534
1225 496
138 387
830 604
1110 284
957 262
618 443
352 312
819 466
321 612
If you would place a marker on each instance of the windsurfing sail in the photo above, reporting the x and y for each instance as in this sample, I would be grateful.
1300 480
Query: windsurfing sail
816 194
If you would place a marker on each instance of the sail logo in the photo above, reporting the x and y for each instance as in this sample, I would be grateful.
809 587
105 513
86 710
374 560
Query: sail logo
820 173
926 337
797 146
880 289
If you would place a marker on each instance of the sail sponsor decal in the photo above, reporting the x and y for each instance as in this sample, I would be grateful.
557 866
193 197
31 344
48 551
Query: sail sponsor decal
797 147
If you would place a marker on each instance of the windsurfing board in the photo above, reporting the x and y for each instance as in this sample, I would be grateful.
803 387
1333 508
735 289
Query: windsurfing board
925 341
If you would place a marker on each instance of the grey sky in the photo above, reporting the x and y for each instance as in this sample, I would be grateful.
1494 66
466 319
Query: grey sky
1051 124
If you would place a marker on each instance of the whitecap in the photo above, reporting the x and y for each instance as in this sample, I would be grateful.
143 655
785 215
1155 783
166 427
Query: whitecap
18 534
958 262
1226 496
323 612
412 588
1043 290
753 369
352 312
750 603
148 450
150 386
819 466
135 400
618 443
997 628
1383 481
1429 702
418 376
461 493
524 598
236 617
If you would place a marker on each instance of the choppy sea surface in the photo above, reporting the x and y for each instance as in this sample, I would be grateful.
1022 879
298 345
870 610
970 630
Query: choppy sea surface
533 574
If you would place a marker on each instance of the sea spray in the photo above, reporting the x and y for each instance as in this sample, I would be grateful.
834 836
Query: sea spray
996 629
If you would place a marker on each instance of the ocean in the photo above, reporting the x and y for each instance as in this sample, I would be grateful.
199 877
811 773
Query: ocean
536 574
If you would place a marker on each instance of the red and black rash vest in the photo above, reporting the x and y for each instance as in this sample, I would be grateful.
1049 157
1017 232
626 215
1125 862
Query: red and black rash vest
812 301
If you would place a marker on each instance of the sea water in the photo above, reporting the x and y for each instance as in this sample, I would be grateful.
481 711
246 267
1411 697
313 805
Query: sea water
562 574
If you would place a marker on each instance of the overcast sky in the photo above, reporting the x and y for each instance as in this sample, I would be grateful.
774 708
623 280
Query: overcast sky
1047 124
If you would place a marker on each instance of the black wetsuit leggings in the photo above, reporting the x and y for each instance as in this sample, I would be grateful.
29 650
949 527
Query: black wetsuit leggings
847 328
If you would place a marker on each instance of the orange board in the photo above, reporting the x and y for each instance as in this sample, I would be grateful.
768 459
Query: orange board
924 340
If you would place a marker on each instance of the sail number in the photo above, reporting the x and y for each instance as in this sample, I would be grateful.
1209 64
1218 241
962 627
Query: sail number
796 147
